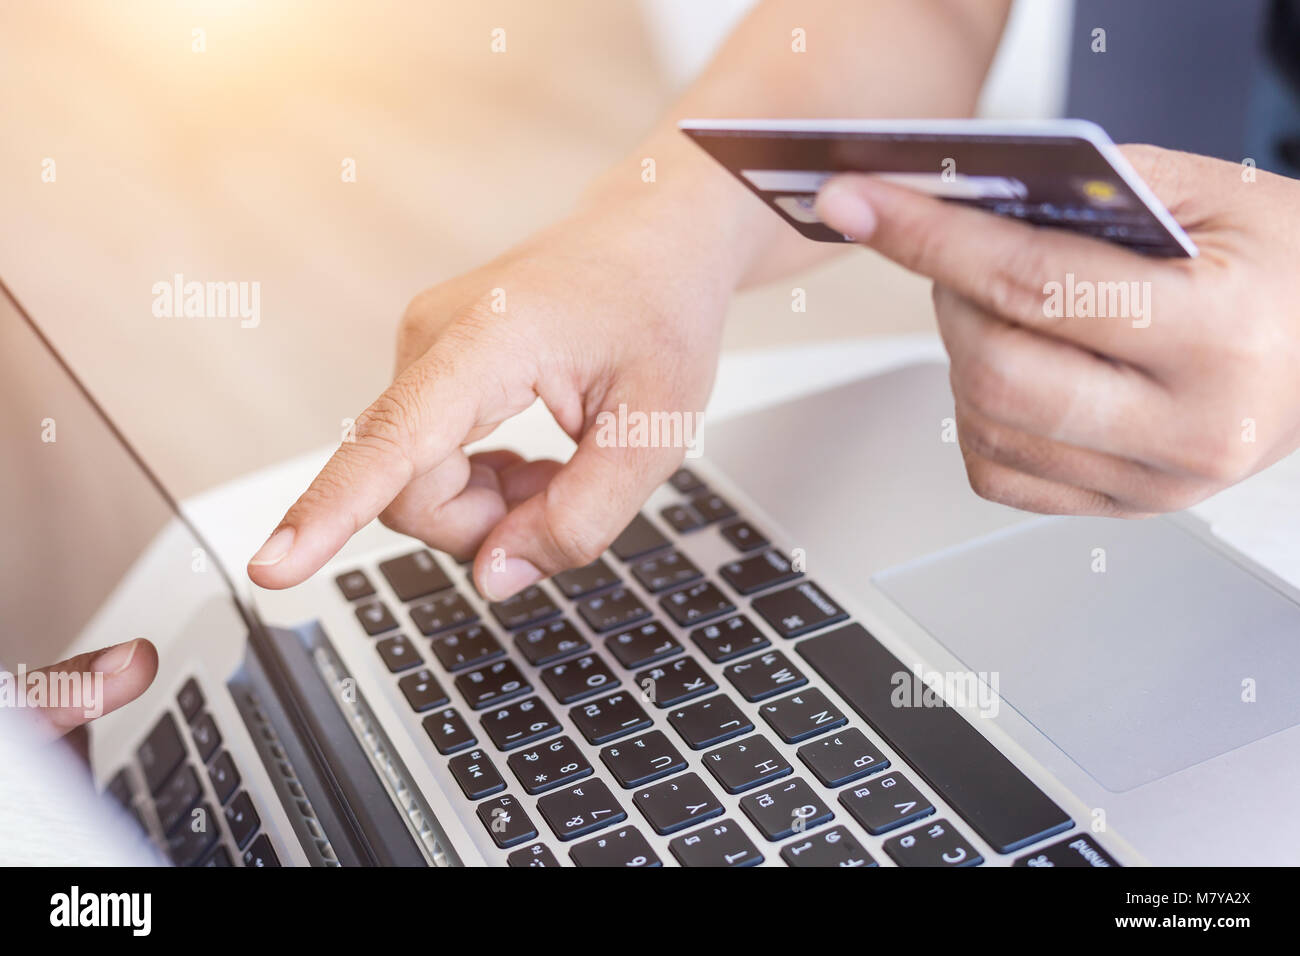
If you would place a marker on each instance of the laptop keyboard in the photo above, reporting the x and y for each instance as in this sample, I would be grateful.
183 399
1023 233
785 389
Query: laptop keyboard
588 713
193 792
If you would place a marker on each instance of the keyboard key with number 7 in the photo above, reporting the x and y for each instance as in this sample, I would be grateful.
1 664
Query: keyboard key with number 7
582 809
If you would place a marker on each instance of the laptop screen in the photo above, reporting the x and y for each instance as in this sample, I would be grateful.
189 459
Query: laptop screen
78 509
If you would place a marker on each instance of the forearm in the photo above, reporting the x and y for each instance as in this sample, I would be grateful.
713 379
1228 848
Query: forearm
872 58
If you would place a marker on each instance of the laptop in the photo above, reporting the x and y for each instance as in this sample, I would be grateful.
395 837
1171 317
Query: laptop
813 647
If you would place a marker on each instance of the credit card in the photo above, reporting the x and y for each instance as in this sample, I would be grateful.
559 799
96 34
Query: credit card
1065 174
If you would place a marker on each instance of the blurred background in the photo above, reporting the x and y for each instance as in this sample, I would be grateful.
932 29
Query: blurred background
226 163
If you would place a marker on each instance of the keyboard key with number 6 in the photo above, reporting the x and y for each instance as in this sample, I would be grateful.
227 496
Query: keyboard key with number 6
622 847
520 723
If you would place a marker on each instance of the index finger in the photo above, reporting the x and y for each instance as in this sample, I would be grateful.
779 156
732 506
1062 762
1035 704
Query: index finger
418 420
1030 275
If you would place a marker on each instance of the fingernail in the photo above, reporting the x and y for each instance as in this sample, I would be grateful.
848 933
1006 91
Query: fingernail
841 208
276 547
116 659
515 575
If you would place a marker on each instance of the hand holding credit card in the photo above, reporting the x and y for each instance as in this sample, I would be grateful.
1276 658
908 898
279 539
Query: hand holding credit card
1061 173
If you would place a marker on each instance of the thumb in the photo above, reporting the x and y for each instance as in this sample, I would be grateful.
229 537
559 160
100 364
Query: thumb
584 507
1000 264
95 683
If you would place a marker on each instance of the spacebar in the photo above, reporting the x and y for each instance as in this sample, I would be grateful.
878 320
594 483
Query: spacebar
973 777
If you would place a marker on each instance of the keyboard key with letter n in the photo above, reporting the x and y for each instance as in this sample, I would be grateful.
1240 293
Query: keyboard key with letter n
1000 803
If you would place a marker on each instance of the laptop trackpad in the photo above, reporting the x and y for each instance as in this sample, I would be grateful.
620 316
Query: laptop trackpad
1135 647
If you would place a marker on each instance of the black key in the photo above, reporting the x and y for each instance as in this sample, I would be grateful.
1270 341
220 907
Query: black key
724 640
578 678
119 789
1073 851
743 536
843 758
685 481
788 808
491 684
678 803
720 844
696 604
206 736
190 699
375 618
682 518
161 753
549 642
530 606
621 847
612 609
759 571
642 759
414 575
886 803
398 653
513 725
539 854
638 538
578 810
608 718
667 685
224 776
218 858
422 690
641 645
441 613
193 836
448 731
833 847
506 821
465 648
971 775
242 819
710 722
659 572
935 844
712 508
261 853
549 765
798 610
585 580
476 774
765 675
181 791
354 585
802 715
746 764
